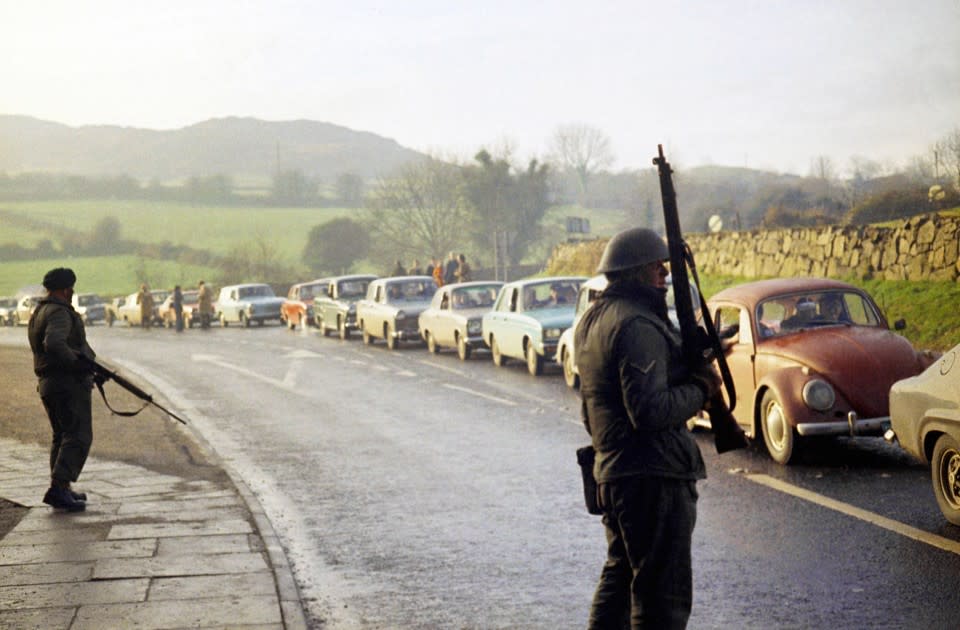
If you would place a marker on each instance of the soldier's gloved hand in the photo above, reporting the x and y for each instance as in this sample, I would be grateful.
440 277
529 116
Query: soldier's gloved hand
707 379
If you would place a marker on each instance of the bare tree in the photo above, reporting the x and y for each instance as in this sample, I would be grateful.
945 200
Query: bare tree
582 150
947 157
421 212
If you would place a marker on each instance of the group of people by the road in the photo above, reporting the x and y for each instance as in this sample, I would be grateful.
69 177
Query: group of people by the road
636 397
455 269
148 306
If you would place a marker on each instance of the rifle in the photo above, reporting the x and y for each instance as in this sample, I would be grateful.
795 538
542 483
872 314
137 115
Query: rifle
699 346
101 374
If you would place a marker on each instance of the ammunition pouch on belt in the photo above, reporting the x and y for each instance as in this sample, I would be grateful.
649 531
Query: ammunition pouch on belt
585 457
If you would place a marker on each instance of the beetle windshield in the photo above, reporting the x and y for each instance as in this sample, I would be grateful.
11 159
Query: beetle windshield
786 314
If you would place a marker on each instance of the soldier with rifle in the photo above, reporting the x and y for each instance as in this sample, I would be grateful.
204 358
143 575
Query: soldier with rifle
641 379
60 361
637 396
66 368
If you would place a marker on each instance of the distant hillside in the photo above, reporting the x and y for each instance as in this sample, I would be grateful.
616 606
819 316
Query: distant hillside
237 147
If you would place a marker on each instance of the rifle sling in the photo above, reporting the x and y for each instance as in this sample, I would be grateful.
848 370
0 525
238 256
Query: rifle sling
126 414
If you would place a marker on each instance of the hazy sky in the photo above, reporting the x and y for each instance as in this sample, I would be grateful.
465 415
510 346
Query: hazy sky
761 83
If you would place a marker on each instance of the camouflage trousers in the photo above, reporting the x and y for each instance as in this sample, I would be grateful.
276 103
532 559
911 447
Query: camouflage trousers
647 580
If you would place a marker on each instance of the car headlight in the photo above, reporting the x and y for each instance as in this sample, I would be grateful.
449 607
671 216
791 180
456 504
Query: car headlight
352 308
400 315
818 395
474 327
552 333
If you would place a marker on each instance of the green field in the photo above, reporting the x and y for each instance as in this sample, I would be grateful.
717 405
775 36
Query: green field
106 275
217 229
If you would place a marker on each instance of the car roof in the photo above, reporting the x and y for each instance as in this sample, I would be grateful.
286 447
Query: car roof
754 292
547 280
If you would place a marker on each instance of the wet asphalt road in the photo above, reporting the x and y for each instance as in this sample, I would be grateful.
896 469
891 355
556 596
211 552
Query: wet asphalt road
417 491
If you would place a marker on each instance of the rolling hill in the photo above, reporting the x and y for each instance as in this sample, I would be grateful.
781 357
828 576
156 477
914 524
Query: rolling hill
237 147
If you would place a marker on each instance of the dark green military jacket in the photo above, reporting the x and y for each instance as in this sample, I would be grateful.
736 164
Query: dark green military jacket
637 395
58 340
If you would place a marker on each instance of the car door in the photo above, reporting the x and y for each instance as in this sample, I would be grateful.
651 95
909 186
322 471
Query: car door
514 325
733 326
430 319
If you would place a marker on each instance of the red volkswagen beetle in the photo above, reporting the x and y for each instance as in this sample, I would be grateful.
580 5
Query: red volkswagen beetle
810 357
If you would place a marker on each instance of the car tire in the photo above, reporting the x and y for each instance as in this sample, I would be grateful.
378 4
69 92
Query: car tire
945 473
780 438
534 360
569 376
367 337
389 336
244 321
463 348
223 320
292 325
342 328
498 359
432 346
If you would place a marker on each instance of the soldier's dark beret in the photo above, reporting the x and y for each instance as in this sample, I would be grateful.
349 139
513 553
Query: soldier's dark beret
59 278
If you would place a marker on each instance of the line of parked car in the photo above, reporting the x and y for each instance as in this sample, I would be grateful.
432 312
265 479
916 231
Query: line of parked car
810 358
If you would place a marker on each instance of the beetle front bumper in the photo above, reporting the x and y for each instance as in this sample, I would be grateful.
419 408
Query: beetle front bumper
854 426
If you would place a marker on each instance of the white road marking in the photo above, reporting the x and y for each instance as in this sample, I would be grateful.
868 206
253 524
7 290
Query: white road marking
443 367
472 392
874 519
209 358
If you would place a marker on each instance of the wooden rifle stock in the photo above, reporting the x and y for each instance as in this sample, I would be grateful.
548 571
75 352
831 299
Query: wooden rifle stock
698 343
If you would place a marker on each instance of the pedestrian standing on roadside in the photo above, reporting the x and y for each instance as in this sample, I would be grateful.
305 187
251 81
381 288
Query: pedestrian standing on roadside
430 267
415 269
398 269
637 396
464 274
145 300
204 304
61 361
450 271
438 272
178 307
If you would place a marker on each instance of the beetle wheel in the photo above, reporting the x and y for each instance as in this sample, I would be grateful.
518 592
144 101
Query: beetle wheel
367 337
342 328
778 435
945 472
388 335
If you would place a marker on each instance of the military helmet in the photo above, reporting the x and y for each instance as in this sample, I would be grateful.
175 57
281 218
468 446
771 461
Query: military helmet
632 248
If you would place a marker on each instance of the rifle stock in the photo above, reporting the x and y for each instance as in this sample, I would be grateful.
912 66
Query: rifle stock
696 341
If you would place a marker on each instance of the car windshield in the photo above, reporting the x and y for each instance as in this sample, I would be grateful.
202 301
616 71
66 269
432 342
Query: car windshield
191 296
352 288
8 302
410 291
550 294
479 296
87 300
785 314
308 291
262 290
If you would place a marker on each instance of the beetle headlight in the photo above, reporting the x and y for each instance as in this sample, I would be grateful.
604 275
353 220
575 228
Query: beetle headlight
818 395
400 315
552 333
474 327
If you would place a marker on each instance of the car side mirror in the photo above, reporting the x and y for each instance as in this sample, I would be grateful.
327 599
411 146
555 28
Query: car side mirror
900 324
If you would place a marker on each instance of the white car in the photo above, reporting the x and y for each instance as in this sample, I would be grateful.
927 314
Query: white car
246 303
589 291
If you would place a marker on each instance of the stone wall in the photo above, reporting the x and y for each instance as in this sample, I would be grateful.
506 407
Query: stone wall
924 247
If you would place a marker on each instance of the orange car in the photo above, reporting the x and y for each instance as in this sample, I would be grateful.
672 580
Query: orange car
297 309
810 357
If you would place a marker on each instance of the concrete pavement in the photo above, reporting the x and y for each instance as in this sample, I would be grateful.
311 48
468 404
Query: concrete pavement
151 550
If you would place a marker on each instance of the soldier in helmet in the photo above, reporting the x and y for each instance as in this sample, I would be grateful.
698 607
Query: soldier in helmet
637 396
60 360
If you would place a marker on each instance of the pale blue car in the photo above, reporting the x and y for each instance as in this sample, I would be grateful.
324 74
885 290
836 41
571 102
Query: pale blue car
528 318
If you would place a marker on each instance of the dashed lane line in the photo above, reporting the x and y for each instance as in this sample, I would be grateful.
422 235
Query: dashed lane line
897 527
473 392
